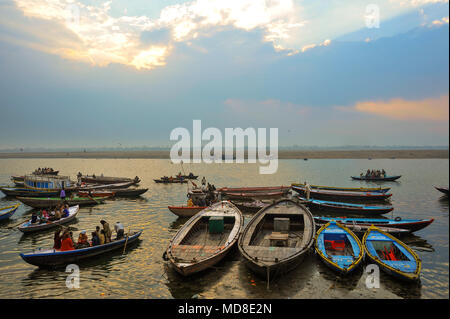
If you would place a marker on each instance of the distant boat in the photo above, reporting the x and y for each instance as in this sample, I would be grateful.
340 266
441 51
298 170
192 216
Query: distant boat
185 211
392 255
350 189
376 179
339 248
349 208
341 195
410 224
442 189
94 179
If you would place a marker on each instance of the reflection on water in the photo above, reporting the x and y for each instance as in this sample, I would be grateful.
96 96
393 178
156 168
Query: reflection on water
142 273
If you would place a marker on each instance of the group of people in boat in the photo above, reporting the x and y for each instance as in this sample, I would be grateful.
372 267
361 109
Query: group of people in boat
64 241
374 173
203 201
42 216
43 171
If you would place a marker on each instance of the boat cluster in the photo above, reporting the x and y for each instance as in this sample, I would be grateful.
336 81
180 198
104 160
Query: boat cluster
289 222
58 199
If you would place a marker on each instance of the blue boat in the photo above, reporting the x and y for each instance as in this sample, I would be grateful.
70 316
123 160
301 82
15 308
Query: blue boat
350 208
339 248
411 224
393 256
7 212
53 258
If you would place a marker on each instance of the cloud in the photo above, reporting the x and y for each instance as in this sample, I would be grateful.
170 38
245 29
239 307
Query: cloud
430 109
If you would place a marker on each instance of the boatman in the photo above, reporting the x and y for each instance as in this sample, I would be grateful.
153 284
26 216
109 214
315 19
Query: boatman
118 227
107 230
308 191
62 195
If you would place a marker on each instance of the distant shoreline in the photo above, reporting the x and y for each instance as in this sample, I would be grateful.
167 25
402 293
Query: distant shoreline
283 154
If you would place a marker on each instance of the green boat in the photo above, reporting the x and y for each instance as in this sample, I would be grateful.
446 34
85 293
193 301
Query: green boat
46 202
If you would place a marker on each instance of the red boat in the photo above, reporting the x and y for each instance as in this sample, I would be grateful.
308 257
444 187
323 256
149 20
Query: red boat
185 211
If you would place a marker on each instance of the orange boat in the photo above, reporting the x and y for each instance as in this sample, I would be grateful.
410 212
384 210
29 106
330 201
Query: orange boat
185 211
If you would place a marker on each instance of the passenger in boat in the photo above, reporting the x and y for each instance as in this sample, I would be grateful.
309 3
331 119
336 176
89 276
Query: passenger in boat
107 230
45 214
95 239
66 212
82 240
66 243
203 181
102 237
34 218
118 227
190 203
57 240
383 173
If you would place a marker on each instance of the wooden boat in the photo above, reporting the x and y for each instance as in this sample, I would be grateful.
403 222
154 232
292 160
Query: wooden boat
49 183
227 190
29 227
98 193
52 173
7 212
348 189
170 180
27 192
205 238
132 192
41 202
411 225
18 181
259 195
185 211
190 176
442 189
349 208
86 187
52 257
342 195
277 238
393 256
251 207
376 179
338 247
94 179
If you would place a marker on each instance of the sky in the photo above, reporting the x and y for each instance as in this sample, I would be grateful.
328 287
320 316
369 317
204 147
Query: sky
125 73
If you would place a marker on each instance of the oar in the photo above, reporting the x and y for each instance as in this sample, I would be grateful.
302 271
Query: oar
126 241
93 199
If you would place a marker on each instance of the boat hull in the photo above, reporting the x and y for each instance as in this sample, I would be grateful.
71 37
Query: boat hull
346 208
25 192
184 211
443 190
376 179
58 258
52 202
24 228
7 212
343 195
347 189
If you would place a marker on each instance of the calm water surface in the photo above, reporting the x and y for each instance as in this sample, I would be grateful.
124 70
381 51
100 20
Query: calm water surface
141 272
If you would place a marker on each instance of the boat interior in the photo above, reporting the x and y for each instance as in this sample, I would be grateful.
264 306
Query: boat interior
203 239
337 244
387 250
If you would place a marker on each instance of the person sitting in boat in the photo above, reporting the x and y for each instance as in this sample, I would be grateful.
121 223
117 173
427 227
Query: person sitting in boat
203 181
107 230
190 203
118 227
66 212
95 240
82 240
34 218
383 173
66 242
102 237
45 214
57 240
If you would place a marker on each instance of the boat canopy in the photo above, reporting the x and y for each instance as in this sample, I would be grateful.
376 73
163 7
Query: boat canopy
47 182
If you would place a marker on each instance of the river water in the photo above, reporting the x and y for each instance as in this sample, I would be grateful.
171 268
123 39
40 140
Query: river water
142 273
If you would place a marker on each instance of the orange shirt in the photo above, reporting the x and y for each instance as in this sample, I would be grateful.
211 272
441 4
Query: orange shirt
66 244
